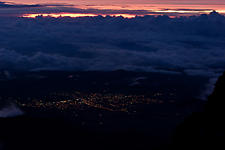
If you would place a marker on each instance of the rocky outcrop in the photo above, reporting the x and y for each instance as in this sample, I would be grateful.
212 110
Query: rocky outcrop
205 129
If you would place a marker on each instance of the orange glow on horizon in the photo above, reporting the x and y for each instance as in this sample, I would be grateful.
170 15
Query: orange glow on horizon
157 13
126 8
59 15
163 8
76 15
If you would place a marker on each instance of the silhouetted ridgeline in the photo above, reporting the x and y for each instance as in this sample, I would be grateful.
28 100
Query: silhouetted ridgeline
206 129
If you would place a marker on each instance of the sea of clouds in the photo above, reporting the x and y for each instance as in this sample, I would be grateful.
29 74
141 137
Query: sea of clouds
192 45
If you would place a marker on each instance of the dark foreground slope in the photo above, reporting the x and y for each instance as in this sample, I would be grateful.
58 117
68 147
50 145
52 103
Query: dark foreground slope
150 127
206 129
39 134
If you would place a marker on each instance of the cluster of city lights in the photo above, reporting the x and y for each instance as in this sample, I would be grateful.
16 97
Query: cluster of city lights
81 101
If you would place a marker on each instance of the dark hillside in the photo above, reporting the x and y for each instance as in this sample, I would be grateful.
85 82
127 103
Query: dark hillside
206 129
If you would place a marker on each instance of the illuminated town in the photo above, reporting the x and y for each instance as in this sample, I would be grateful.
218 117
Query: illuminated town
81 101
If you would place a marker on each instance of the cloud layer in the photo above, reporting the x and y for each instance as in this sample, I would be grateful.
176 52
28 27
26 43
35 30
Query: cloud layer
10 111
193 45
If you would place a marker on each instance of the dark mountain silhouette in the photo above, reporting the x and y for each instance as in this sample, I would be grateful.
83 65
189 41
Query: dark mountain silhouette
206 129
